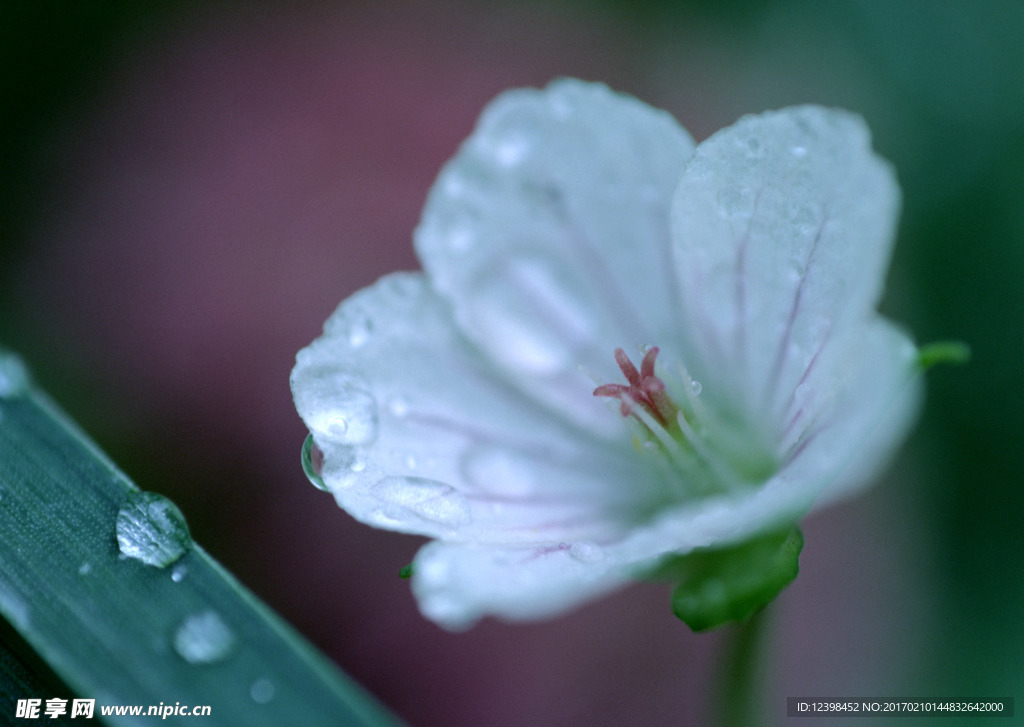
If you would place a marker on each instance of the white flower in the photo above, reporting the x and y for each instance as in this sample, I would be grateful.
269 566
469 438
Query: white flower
459 403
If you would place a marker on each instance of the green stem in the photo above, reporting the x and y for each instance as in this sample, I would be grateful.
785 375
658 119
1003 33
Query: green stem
739 683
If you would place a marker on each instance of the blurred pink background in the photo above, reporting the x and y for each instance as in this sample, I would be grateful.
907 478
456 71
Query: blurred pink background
240 174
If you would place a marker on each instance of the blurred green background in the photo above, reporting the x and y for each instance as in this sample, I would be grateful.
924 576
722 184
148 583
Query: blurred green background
187 190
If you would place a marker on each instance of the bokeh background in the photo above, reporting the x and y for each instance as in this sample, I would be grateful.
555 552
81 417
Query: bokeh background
187 190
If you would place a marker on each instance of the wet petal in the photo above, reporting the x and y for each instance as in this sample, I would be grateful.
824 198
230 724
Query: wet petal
783 224
420 434
549 231
456 585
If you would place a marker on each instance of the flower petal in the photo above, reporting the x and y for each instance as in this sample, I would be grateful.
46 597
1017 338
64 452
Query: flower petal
783 226
420 434
549 232
456 585
851 411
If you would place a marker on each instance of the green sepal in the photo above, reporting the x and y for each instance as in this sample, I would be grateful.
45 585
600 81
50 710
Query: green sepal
406 571
721 585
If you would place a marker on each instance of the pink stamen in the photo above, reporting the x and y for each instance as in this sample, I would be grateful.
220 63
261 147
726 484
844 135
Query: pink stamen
645 389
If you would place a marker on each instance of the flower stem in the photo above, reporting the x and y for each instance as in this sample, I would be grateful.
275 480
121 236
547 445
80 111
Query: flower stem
739 684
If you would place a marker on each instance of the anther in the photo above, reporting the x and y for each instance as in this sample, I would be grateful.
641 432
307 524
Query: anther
645 389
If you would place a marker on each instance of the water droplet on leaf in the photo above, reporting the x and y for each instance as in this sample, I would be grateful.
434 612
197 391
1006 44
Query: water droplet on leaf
85 569
152 529
203 638
262 691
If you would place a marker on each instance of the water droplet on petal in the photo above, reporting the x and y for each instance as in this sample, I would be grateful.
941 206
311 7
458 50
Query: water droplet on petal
426 499
496 470
203 638
805 218
262 691
586 551
697 387
179 573
359 331
528 315
736 203
345 415
313 463
398 407
152 529
511 149
14 378
798 151
754 148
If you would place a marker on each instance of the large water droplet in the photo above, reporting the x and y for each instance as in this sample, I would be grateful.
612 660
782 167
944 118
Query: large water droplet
586 551
345 415
152 529
313 463
426 499
14 378
203 638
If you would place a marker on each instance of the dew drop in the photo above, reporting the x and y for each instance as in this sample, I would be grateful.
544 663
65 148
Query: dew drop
398 407
493 469
736 203
152 529
203 638
697 387
754 147
344 415
805 218
359 331
14 378
511 149
85 569
262 691
423 498
313 463
798 151
586 551
507 298
178 573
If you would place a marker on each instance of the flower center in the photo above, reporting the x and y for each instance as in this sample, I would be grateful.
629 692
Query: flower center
645 389
709 452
